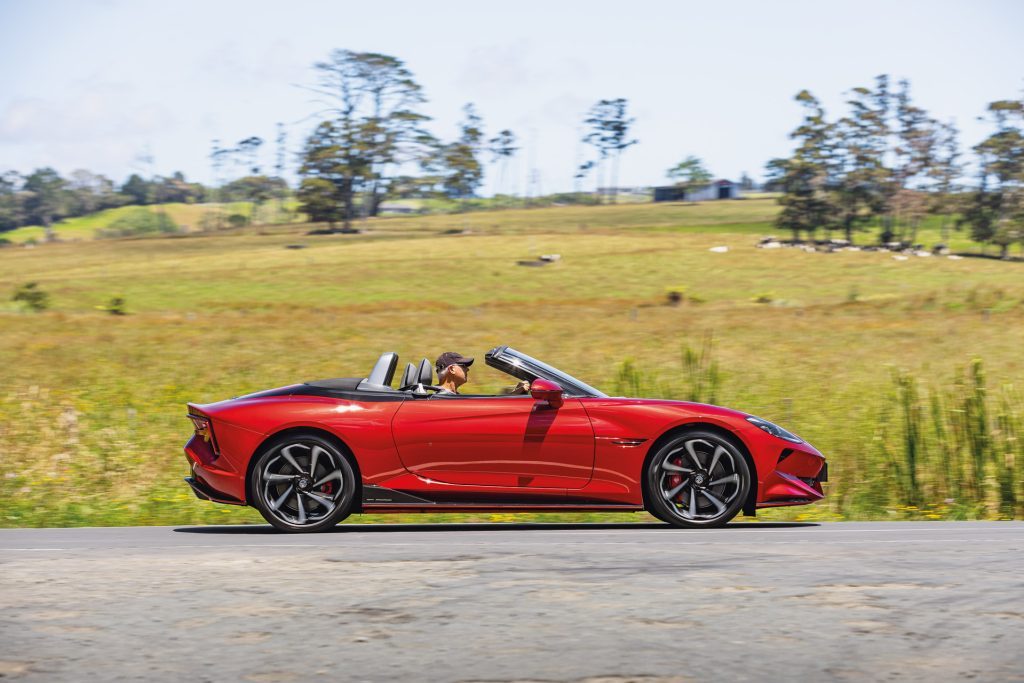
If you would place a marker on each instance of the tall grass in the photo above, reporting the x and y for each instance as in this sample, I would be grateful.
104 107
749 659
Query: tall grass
958 449
700 372
701 377
952 452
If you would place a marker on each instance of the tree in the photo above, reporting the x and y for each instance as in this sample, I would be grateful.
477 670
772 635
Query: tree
256 189
393 129
11 214
916 139
248 151
47 198
690 174
138 190
372 100
995 212
91 192
502 147
319 200
460 160
609 133
324 179
945 172
746 182
279 166
175 188
804 177
858 147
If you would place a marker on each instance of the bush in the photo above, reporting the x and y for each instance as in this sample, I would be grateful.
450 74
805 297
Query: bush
237 220
139 221
116 306
31 297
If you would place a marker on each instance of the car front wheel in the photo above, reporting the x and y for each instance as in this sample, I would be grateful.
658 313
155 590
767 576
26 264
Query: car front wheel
698 479
303 483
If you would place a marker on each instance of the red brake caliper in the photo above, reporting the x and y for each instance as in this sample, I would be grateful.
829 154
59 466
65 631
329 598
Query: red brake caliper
675 479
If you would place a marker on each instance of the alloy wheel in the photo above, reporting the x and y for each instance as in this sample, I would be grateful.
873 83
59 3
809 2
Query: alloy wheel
302 483
700 481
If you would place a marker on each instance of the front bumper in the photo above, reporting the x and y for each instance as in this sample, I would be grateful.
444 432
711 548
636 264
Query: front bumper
797 478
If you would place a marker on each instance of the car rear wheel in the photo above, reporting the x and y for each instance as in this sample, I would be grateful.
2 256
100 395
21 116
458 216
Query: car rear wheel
698 479
303 483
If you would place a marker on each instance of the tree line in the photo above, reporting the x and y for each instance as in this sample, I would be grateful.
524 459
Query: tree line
886 165
374 133
44 197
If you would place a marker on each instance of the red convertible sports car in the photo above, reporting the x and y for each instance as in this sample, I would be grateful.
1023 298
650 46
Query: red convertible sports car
309 455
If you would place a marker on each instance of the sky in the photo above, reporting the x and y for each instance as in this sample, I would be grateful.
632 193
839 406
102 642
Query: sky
104 84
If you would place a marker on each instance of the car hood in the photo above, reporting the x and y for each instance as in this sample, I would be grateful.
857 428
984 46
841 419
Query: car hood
690 407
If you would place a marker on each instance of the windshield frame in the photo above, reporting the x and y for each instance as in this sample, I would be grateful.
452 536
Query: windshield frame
522 366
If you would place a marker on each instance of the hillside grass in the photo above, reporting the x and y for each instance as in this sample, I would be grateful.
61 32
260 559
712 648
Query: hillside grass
189 217
750 216
92 416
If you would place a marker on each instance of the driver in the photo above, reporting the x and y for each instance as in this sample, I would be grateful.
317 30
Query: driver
453 372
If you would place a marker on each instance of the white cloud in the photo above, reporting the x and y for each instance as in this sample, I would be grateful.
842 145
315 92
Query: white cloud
96 128
101 114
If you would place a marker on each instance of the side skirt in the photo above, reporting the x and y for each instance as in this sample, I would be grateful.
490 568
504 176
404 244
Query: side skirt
378 499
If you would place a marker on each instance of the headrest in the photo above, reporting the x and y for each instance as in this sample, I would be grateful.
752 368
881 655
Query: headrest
410 376
383 371
426 372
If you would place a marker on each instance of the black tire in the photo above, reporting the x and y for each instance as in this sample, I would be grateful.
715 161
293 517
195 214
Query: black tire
657 514
697 479
294 498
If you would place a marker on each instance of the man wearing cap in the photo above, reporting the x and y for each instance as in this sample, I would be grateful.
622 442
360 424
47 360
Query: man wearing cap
453 372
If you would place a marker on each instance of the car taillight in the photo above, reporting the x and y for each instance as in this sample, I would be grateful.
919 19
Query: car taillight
204 430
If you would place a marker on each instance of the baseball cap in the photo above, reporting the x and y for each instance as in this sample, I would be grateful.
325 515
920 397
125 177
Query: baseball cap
451 358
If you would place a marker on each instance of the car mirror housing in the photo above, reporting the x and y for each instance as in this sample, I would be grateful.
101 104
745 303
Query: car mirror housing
544 390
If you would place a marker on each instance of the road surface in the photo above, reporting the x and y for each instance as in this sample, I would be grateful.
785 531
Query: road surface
610 603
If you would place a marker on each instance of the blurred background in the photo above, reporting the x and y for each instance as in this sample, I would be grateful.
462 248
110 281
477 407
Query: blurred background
811 212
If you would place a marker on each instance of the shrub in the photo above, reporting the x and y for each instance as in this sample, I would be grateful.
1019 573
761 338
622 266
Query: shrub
139 221
31 297
237 220
116 306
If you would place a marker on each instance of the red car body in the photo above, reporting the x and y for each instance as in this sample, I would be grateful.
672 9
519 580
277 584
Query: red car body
510 453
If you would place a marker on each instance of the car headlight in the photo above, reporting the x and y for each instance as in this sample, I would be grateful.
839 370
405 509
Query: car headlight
774 429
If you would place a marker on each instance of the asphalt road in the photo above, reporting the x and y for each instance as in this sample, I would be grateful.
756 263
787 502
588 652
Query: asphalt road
611 603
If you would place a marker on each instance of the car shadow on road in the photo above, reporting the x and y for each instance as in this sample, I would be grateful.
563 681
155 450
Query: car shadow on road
497 526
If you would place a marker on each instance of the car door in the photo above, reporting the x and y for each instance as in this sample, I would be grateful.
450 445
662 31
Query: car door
503 441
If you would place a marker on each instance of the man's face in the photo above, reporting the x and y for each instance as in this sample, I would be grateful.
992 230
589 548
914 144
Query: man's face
458 374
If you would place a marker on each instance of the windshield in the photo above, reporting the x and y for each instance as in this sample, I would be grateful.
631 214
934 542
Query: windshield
523 366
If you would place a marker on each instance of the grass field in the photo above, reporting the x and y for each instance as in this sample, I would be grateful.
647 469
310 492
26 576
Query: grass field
92 409
189 217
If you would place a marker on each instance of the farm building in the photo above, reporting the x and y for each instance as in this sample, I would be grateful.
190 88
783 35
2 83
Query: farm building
719 189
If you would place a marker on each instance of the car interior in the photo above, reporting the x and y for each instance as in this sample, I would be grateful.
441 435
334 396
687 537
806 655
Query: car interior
415 379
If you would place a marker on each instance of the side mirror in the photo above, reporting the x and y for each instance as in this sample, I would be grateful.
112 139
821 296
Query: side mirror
543 390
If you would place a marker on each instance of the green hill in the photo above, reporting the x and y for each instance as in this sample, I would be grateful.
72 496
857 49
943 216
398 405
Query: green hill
752 216
189 217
